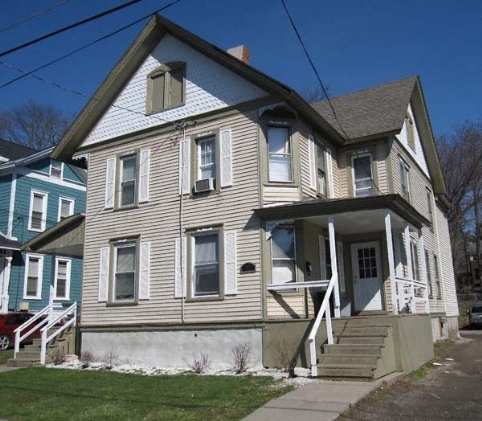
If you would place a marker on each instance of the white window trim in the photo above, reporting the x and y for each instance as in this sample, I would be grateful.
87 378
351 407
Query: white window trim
68 280
61 170
118 183
193 260
372 178
71 205
44 210
198 156
116 246
38 296
287 126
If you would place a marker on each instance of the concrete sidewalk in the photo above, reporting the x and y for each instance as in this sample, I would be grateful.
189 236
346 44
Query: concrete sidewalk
318 401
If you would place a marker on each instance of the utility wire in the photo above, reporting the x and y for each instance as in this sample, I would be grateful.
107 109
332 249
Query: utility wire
35 15
66 28
25 74
313 66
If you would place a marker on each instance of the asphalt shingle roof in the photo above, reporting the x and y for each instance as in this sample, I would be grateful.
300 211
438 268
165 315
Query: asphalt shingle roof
369 112
14 151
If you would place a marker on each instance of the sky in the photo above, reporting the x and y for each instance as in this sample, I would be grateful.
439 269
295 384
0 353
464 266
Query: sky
354 44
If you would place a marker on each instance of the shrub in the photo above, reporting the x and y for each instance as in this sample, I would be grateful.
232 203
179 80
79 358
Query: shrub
241 356
199 363
86 358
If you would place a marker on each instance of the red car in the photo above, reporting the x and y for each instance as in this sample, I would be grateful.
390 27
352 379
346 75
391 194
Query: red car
8 323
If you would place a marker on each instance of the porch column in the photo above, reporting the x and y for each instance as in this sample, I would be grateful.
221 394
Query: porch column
391 260
408 252
52 287
334 263
424 270
5 285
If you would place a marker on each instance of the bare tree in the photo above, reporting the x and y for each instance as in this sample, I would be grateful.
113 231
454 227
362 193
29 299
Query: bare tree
461 160
35 125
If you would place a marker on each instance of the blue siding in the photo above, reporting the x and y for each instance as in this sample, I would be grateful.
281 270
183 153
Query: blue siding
24 187
5 187
70 175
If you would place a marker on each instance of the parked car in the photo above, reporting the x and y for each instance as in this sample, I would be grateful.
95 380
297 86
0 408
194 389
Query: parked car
475 315
8 323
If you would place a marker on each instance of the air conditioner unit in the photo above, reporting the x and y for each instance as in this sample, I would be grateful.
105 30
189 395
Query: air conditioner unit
206 184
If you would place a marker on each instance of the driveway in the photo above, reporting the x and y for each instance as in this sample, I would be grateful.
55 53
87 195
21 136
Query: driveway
451 392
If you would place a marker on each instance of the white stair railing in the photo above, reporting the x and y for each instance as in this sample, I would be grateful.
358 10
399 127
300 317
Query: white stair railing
72 321
325 308
19 337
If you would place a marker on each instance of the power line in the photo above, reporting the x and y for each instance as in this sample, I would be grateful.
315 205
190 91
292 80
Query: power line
312 66
66 28
25 74
35 15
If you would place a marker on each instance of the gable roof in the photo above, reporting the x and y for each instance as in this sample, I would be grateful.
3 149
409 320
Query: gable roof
135 55
370 112
12 151
36 156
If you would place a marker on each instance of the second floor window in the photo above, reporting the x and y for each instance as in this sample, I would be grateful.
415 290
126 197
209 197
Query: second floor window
206 149
405 180
363 184
66 207
128 180
38 211
279 154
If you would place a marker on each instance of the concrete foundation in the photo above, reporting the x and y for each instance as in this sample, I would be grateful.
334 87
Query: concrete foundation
444 327
175 349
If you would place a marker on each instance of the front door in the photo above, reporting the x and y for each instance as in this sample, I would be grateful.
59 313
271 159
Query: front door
367 276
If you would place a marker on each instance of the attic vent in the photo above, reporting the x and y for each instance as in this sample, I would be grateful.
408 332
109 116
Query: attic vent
204 185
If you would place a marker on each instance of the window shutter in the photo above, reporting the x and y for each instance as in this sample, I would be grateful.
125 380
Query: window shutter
110 183
180 268
103 274
184 166
329 170
312 161
144 175
321 242
230 265
226 158
341 266
144 275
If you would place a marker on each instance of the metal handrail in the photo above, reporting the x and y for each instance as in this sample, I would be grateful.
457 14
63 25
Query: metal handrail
25 325
325 308
55 320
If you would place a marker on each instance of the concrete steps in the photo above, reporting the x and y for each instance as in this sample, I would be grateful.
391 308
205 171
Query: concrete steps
357 351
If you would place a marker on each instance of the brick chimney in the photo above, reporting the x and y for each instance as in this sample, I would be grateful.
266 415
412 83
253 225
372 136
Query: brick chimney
240 52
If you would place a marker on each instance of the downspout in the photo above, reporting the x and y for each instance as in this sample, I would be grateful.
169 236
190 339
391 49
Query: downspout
181 227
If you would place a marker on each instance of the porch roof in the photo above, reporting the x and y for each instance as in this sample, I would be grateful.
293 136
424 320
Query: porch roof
8 244
66 238
352 215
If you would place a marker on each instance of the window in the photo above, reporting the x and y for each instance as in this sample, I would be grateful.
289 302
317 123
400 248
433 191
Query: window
429 274
38 211
321 178
128 180
62 279
362 175
279 154
430 207
206 280
410 128
206 158
66 208
166 87
437 277
55 169
33 276
404 180
283 258
125 271
415 262
128 186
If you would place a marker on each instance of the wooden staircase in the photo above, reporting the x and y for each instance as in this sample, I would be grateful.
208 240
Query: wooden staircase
29 355
362 349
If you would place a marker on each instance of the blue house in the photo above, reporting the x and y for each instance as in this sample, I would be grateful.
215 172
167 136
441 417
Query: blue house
36 192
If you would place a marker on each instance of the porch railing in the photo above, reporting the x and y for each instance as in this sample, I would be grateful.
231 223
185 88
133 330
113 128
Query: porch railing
409 292
324 309
49 318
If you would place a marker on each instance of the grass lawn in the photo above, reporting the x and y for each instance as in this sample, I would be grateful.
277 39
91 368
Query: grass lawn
56 394
5 356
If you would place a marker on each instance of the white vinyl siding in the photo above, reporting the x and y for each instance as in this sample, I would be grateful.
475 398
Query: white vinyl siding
144 175
180 268
230 263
